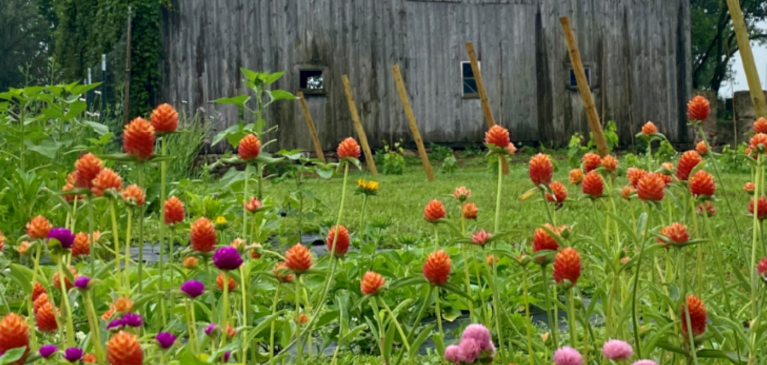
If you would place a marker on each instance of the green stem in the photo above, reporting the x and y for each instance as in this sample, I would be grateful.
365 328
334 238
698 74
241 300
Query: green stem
634 313
213 313
754 244
116 240
191 325
245 201
529 321
297 319
65 299
683 278
438 311
381 332
396 323
418 318
722 186
571 318
141 234
127 250
163 197
466 271
94 326
552 327
93 251
494 268
271 332
362 216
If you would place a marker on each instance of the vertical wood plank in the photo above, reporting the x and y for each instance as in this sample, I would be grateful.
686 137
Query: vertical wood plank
583 87
310 126
749 67
411 120
358 126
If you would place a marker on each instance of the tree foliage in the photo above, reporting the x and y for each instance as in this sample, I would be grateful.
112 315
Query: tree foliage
25 40
713 39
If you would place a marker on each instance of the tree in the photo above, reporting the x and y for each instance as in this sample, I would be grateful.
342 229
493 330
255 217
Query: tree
25 43
713 39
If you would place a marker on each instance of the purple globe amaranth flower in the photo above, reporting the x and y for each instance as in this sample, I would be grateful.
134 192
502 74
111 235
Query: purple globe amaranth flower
453 354
73 354
568 356
617 350
133 320
165 340
116 324
193 288
48 350
211 330
227 258
645 362
470 350
82 282
64 236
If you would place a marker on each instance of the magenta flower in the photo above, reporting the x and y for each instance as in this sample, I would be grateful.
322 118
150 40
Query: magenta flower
73 354
165 340
63 236
211 330
227 258
133 320
617 350
470 350
47 351
645 362
480 237
453 354
568 356
82 282
193 288
116 324
478 333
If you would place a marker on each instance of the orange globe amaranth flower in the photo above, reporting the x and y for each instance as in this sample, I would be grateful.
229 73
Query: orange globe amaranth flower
123 305
559 191
134 195
348 148
82 245
461 193
702 183
687 162
190 262
668 166
38 290
67 283
758 142
708 207
220 282
87 167
70 198
238 243
760 125
609 162
39 302
124 349
164 118
230 331
761 208
626 192
109 313
249 147
437 268
761 268
72 178
252 204
649 128
45 318
491 260
301 319
698 108
298 258
542 240
567 266
650 187
593 185
512 150
282 273
106 179
89 359
576 176
701 148
139 138
341 242
469 211
14 333
749 187
590 162
371 283
540 170
697 311
666 178
174 211
203 235
38 228
676 233
434 211
497 136
633 174
255 252
23 247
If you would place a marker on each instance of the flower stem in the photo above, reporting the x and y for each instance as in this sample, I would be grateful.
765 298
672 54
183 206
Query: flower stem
381 331
683 278
127 251
163 196
65 299
271 332
141 234
396 323
755 238
571 318
297 320
552 327
191 325
116 240
494 268
529 322
466 271
245 201
417 319
94 326
93 251
438 312
634 313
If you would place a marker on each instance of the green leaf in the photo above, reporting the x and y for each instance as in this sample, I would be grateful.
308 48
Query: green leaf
415 280
422 337
75 109
389 342
439 343
221 135
455 289
347 338
325 171
48 148
13 355
232 176
718 354
238 100
272 78
187 358
23 276
281 95
99 128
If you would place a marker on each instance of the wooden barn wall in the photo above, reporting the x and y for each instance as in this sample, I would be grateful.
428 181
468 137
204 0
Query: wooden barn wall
643 45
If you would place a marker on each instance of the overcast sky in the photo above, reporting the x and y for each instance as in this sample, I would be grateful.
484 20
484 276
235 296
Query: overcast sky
739 77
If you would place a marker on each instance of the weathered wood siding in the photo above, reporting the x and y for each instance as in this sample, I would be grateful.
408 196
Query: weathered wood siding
641 47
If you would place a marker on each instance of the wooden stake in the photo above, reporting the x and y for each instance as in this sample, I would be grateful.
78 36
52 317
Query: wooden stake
126 94
483 96
358 126
744 46
583 88
411 120
310 126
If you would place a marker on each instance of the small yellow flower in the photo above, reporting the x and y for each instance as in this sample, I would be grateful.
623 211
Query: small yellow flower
221 222
367 187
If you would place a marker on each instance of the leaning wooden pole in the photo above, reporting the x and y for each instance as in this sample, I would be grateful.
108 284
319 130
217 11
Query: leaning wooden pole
744 47
411 120
310 126
358 126
486 109
583 88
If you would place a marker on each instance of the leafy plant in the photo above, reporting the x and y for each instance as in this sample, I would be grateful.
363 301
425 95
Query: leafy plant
390 157
449 165
732 160
665 152
438 152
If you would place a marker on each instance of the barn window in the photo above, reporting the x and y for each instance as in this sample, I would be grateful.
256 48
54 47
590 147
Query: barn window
311 81
573 84
469 82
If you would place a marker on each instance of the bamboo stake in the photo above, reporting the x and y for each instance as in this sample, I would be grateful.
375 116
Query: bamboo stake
583 87
411 120
358 126
310 126
483 96
749 67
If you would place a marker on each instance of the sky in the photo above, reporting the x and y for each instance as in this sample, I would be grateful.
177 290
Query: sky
739 77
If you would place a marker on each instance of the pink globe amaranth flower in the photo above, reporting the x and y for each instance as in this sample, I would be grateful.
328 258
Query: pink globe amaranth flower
617 350
479 333
480 238
470 350
645 362
453 354
568 356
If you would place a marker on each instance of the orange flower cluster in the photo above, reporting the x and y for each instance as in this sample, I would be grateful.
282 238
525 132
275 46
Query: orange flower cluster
434 211
371 283
106 179
203 235
469 211
134 195
650 187
758 142
281 272
697 311
437 267
138 139
249 147
591 161
676 233
87 168
82 245
698 108
45 315
123 305
124 349
220 283
542 240
67 283
567 266
559 191
348 148
497 136
593 185
341 242
633 174
14 333
298 258
760 125
702 183
38 228
761 208
576 176
626 191
541 170
649 129
701 148
164 119
609 162
174 211
687 162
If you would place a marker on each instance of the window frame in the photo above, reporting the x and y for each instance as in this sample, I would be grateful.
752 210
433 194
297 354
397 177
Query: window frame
588 68
464 94
312 68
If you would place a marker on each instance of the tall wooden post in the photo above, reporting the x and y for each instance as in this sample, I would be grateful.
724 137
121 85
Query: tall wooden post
310 126
358 126
583 88
483 96
411 120
747 57
126 94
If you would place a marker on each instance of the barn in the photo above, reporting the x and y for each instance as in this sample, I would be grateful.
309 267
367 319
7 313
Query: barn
636 54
